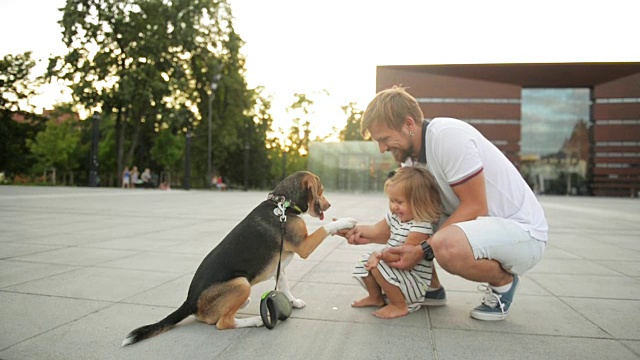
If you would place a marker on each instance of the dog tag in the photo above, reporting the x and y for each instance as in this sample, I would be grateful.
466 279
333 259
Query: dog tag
277 211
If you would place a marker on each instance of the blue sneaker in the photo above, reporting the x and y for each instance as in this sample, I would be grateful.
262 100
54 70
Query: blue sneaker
436 297
495 305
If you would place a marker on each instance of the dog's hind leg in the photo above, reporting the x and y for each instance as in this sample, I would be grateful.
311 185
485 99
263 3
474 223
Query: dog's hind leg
246 303
219 304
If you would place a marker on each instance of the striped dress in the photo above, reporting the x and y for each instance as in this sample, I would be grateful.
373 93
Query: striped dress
412 283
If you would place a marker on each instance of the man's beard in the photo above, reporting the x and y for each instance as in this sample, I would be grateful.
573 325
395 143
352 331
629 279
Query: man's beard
401 155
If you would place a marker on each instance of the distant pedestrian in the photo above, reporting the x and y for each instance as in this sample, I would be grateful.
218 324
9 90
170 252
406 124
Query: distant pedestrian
126 177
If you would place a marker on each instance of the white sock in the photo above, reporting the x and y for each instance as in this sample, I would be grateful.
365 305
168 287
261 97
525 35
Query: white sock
503 288
429 288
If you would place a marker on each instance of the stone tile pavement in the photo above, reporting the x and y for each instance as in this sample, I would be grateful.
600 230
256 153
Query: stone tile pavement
80 268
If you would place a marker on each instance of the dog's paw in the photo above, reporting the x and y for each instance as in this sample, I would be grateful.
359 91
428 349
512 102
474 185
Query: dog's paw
298 304
254 321
340 224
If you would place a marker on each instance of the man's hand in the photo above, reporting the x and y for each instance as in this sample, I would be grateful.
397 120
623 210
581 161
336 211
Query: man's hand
340 224
410 256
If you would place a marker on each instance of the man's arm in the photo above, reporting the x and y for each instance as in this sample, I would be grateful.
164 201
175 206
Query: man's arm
473 200
473 203
414 238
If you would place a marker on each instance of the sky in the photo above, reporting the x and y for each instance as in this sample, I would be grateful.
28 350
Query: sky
334 46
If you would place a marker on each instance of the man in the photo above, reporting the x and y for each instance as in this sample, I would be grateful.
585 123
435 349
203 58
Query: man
493 228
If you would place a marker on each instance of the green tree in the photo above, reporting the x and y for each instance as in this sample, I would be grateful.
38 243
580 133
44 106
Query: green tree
254 156
56 146
351 131
15 85
143 61
167 150
17 124
297 144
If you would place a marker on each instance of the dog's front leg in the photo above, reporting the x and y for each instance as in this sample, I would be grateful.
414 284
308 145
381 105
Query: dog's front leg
283 286
313 240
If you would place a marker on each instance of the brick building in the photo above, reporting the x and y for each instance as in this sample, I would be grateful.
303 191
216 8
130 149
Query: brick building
492 97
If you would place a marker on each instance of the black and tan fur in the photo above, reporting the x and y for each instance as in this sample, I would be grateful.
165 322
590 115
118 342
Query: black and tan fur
248 255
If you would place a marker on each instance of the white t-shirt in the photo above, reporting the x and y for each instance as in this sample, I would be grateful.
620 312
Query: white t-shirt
456 152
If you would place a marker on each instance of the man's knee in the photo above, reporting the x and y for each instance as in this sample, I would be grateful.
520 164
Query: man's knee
451 249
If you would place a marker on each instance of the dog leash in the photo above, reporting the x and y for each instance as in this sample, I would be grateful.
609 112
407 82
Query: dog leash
282 206
274 305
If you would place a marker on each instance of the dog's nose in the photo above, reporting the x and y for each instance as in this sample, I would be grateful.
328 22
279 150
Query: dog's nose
328 205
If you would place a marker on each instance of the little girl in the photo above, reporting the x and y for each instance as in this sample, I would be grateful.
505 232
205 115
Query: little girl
414 205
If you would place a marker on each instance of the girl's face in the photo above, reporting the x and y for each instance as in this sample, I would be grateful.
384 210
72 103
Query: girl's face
398 204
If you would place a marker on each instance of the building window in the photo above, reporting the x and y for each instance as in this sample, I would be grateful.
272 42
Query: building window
554 140
618 101
467 101
619 122
549 117
493 121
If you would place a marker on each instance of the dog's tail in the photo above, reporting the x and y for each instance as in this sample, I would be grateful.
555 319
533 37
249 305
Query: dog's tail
161 326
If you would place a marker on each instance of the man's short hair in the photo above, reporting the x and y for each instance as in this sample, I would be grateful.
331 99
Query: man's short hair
390 107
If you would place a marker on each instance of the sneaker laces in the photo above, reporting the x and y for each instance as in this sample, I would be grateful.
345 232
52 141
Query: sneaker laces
491 298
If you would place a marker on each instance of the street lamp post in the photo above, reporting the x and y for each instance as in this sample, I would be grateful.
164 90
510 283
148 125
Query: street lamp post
214 86
246 165
95 138
187 162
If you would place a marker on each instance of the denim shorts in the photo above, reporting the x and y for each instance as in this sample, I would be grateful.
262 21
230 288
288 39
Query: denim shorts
504 241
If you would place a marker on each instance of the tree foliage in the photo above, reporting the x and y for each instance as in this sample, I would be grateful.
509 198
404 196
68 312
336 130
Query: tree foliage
351 131
297 141
15 84
57 145
16 124
149 64
167 149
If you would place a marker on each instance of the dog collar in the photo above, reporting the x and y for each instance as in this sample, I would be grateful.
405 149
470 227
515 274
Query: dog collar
288 204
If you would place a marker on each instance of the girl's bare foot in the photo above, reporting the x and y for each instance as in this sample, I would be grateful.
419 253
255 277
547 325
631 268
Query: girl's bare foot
369 301
391 311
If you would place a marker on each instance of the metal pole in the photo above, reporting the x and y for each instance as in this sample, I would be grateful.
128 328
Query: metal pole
209 175
187 163
214 85
246 166
95 135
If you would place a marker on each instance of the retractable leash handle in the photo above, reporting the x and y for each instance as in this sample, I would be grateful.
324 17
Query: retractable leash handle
274 306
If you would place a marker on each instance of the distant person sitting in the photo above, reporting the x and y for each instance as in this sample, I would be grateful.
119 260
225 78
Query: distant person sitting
145 177
135 177
219 183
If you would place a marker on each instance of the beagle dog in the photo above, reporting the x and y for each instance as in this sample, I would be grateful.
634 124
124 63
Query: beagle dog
249 254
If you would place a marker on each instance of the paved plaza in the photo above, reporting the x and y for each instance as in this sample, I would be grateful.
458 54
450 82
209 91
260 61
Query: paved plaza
80 268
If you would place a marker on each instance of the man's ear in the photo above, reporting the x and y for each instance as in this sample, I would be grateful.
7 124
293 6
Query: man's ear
410 123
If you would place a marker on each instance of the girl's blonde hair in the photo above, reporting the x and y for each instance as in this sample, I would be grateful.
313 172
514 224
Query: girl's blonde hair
390 107
421 191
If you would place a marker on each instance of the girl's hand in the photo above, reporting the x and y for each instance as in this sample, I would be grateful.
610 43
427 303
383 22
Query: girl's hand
374 260
353 235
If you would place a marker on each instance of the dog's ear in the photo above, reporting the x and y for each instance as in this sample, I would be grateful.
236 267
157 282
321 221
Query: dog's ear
312 185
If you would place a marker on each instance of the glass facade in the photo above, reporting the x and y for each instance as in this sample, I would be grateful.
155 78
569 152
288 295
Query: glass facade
353 166
549 117
554 145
